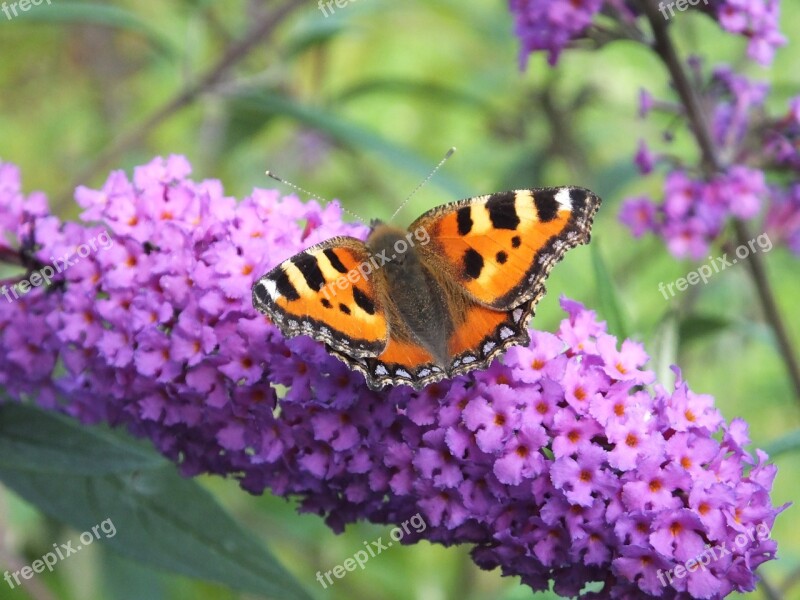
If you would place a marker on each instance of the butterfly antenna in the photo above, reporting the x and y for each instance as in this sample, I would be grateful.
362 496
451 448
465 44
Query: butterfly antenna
313 196
424 181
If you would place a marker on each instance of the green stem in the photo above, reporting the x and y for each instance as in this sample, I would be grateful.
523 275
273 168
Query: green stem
712 164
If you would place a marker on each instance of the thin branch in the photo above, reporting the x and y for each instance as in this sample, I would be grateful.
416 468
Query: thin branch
212 77
770 306
694 108
712 164
10 256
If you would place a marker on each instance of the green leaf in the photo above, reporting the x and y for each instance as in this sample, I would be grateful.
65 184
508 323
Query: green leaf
784 445
98 14
43 442
431 91
606 293
665 349
127 580
313 32
160 519
348 133
696 327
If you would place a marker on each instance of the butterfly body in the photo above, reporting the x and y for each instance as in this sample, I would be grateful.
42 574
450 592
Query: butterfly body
436 300
416 308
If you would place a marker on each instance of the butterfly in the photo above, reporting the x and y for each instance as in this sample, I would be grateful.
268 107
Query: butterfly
443 297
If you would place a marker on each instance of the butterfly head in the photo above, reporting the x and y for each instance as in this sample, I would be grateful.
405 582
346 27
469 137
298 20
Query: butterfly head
393 245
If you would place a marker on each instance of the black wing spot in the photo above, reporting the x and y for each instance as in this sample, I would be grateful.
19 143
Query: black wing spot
334 260
473 263
363 301
501 257
516 241
502 211
464 218
310 270
261 293
344 308
285 287
578 198
326 303
546 205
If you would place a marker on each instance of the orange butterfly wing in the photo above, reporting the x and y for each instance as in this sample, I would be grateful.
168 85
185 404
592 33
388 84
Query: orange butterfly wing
501 247
321 292
401 362
491 254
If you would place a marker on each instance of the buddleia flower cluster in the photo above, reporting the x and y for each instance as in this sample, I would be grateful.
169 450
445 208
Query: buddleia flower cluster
761 153
564 462
555 25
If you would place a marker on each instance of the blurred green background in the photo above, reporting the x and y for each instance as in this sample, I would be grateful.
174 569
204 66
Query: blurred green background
359 106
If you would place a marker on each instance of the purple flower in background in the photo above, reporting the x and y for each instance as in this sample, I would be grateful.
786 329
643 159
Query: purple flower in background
560 464
783 138
783 218
737 102
646 103
644 158
550 25
757 20
639 214
695 210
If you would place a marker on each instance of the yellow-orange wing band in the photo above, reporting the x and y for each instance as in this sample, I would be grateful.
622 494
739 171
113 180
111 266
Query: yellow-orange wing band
402 362
327 292
477 340
501 247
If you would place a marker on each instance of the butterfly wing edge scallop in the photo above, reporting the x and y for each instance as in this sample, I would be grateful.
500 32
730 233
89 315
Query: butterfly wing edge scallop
530 211
584 204
512 331
321 266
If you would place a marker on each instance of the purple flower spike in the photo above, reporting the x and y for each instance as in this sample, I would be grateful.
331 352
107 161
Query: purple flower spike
551 25
695 211
560 465
757 20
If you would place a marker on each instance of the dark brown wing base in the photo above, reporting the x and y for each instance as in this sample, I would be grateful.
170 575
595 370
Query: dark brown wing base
513 330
